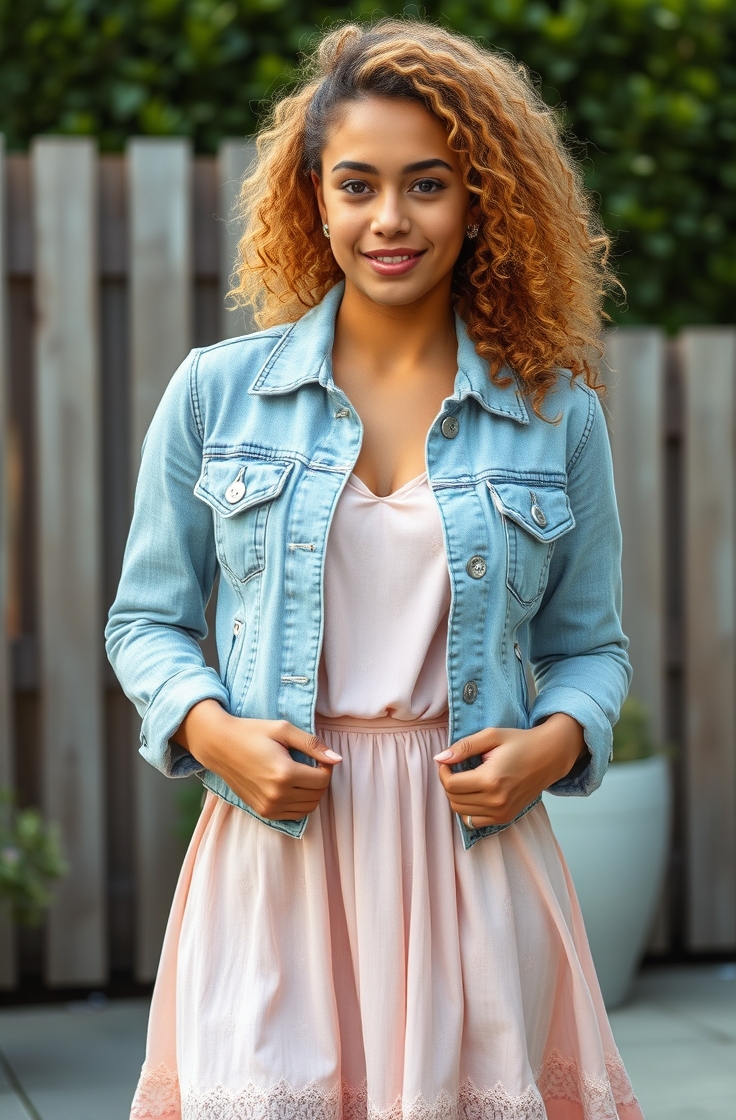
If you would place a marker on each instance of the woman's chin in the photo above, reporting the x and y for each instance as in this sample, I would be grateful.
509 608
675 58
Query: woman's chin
397 291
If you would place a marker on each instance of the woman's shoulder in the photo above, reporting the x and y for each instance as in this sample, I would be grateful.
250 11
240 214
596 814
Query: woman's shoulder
575 409
241 357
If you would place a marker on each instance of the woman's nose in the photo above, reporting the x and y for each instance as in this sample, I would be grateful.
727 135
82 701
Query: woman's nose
390 217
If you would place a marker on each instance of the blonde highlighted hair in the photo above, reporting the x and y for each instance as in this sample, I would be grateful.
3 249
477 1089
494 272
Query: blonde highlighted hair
530 288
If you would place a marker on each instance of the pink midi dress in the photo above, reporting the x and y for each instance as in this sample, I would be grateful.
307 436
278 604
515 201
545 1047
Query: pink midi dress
374 969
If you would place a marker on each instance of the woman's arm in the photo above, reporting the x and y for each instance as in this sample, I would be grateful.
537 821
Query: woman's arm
577 647
158 616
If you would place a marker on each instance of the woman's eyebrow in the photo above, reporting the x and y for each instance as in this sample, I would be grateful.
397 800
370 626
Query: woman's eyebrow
369 169
425 165
351 165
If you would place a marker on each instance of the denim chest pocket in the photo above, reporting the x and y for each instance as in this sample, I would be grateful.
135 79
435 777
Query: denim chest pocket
534 517
241 491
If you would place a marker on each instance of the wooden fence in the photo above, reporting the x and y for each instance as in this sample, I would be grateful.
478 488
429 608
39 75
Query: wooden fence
113 267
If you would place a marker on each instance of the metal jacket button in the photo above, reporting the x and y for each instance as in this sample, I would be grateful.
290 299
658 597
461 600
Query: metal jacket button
538 514
236 489
450 427
470 692
476 567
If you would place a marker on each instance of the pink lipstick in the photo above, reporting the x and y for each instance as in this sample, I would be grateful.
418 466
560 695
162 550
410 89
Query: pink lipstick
394 262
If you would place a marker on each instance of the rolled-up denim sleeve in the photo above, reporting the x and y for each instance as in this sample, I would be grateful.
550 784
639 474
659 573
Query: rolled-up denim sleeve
577 648
158 617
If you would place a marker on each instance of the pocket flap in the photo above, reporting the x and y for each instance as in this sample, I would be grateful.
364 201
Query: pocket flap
235 484
543 511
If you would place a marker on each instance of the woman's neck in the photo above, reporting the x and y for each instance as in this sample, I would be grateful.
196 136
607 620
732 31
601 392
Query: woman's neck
395 341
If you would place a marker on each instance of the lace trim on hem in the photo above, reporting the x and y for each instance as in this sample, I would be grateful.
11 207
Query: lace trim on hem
158 1098
157 1094
562 1080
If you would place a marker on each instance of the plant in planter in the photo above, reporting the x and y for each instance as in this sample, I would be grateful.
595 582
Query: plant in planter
631 737
30 860
189 801
615 843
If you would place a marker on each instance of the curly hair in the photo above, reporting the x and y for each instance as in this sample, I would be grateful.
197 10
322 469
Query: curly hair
530 288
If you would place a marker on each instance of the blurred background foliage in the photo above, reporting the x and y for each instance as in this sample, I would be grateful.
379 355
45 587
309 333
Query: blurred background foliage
647 89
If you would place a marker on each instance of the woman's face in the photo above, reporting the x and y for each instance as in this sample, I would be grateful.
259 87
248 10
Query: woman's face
393 197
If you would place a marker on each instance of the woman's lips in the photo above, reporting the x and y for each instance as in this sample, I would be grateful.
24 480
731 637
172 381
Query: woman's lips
394 262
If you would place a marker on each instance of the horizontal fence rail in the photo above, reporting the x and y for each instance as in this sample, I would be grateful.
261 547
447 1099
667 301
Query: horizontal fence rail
113 267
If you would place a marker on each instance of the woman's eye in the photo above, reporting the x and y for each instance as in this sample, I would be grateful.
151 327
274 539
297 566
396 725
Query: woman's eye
354 186
428 186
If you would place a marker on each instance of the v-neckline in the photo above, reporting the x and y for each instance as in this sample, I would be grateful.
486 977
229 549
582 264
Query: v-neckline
360 485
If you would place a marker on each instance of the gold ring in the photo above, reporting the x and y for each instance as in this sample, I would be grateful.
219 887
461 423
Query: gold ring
469 821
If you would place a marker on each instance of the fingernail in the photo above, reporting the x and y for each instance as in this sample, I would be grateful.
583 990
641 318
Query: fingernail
443 756
335 757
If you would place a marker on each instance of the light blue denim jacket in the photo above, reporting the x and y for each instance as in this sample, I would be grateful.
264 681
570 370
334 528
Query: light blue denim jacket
241 470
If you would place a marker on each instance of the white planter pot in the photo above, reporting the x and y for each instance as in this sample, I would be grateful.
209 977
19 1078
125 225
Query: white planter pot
615 843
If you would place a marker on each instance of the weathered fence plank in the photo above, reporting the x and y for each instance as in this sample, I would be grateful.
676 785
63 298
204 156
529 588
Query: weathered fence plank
709 360
161 311
635 406
234 158
69 539
7 940
121 759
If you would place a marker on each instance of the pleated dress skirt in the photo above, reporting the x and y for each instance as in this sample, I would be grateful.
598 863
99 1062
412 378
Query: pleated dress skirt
374 969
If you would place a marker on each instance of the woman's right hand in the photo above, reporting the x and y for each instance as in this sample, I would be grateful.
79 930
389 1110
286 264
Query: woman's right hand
251 756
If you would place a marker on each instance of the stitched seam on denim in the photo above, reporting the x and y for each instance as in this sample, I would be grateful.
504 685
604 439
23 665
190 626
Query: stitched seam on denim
521 414
261 511
590 420
236 649
539 478
258 336
270 455
574 688
275 353
255 629
510 527
254 451
452 620
194 395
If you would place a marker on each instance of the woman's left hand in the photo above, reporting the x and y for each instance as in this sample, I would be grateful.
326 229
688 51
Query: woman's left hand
517 765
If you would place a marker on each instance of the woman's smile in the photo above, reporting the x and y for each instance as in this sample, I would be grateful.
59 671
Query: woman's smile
393 262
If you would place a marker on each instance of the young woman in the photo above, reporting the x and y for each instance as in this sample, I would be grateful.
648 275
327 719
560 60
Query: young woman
405 485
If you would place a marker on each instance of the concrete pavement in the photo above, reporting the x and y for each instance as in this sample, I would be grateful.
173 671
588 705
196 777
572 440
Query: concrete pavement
80 1061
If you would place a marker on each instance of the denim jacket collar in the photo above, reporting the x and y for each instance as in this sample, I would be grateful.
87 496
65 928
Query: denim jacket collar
303 354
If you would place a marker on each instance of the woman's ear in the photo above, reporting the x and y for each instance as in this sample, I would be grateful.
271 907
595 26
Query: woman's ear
474 212
320 194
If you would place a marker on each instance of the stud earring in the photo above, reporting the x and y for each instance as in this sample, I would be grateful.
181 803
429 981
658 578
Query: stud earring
472 231
325 230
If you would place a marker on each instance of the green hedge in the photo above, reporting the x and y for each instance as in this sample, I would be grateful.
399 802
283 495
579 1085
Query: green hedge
648 89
